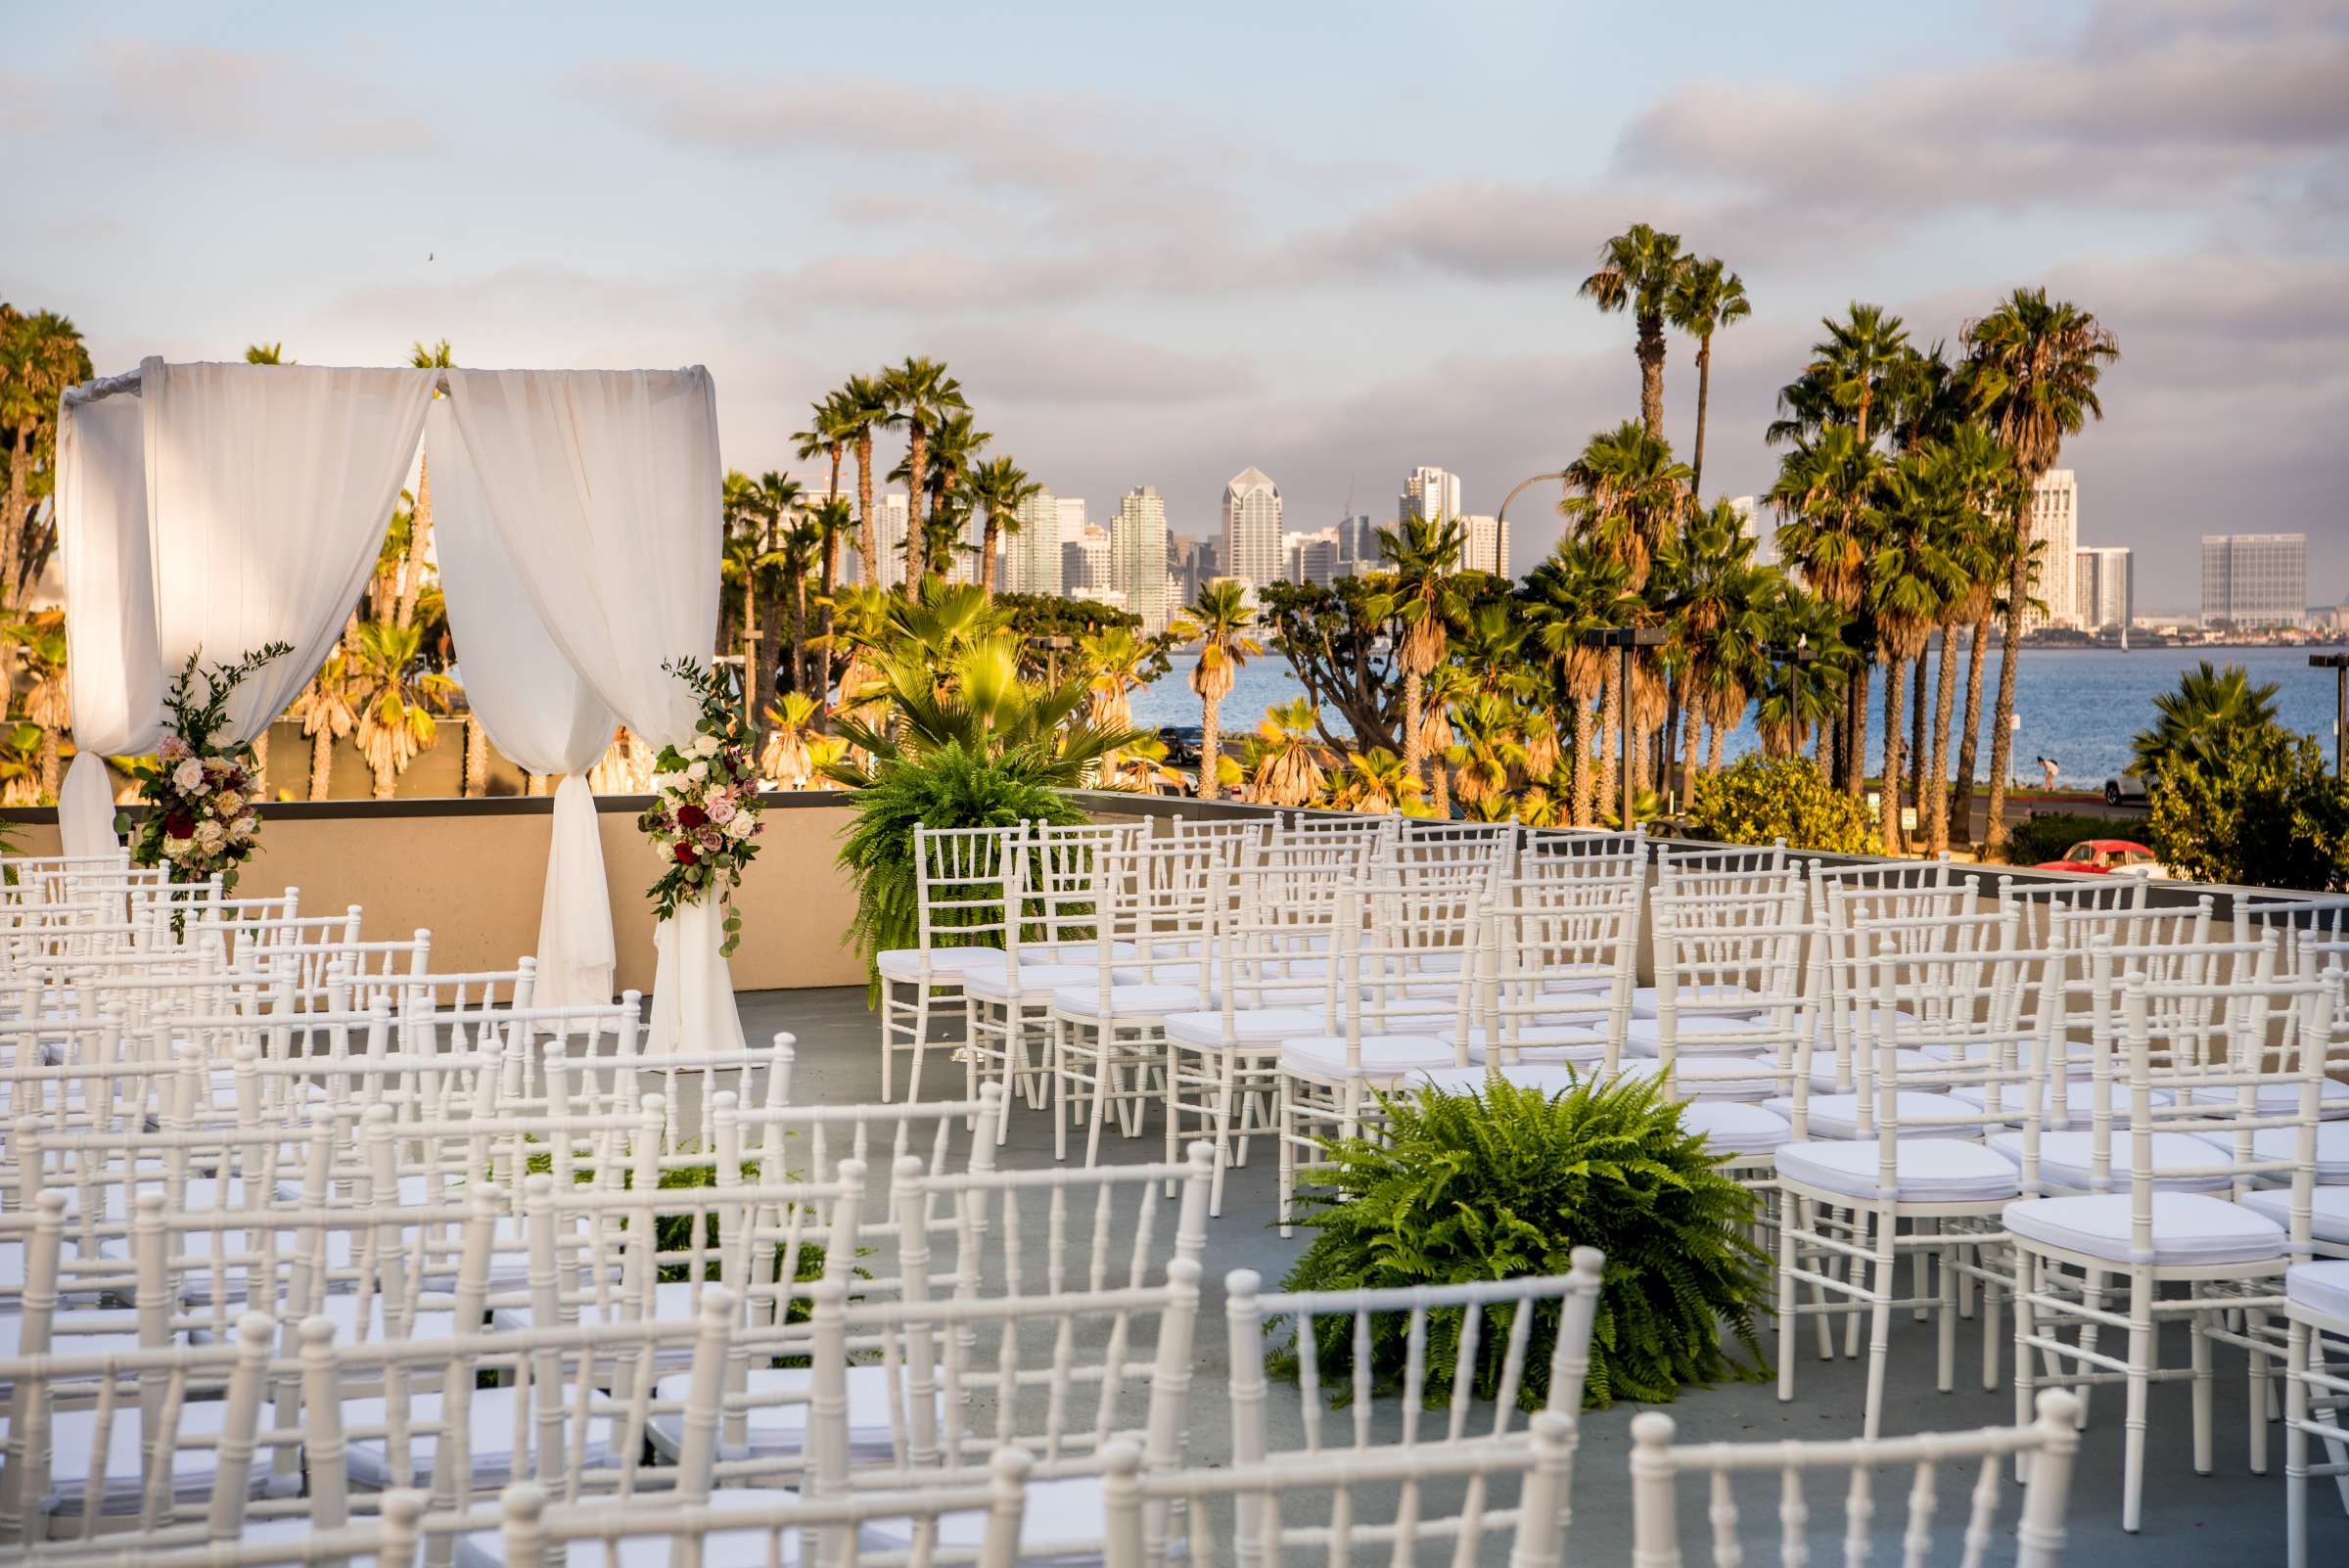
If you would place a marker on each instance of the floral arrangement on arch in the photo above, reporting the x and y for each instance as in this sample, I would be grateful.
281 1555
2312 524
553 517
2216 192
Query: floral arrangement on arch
705 817
200 798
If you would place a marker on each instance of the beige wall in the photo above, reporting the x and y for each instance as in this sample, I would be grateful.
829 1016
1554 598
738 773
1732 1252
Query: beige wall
474 879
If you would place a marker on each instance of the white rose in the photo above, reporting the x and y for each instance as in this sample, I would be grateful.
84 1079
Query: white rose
705 746
739 825
210 834
697 772
173 848
188 776
245 827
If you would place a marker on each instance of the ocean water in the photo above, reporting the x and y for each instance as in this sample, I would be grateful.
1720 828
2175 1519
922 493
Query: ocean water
2081 707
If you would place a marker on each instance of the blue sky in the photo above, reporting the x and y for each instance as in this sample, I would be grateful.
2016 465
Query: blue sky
1160 244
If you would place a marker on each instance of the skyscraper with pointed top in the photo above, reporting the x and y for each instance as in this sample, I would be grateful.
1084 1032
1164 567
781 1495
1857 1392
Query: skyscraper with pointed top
1252 529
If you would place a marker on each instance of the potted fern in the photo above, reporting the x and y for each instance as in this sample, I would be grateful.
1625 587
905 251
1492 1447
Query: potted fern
1503 1184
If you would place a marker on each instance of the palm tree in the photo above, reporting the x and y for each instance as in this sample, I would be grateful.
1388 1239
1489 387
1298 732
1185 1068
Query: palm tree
1827 495
1625 495
1422 557
1636 270
2048 359
741 510
1800 695
1375 780
1578 589
920 395
38 641
396 698
420 537
1910 579
327 714
1851 365
1705 298
1002 487
1219 620
266 354
41 355
955 447
1976 473
829 432
2198 722
1491 749
784 756
1285 761
863 408
1715 606
832 521
786 548
790 564
1447 687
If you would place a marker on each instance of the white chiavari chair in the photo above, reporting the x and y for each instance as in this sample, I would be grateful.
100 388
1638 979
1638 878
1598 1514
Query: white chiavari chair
1560 962
2048 1443
967 885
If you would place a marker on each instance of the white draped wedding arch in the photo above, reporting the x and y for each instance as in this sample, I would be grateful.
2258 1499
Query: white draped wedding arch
577 515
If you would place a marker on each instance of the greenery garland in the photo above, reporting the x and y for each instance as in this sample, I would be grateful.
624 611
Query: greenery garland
200 820
705 820
1504 1185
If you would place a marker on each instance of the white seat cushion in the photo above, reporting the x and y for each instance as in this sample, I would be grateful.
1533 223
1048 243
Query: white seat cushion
1710 1078
774 1429
1735 1126
1645 999
1065 1522
1265 1026
2079 1101
2025 1053
1698 1034
433 1320
2281 1097
1037 982
2182 1162
1823 1068
488 1437
1126 1002
2283 1143
673 1303
1927 1171
1087 953
1383 1056
2189 1228
2322 1288
71 1434
1837 1116
1552 1079
721 1549
2327 1210
1539 1043
944 965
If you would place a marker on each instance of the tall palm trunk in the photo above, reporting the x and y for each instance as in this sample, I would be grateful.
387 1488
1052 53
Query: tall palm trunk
798 633
1211 745
322 763
1937 772
1704 389
869 527
2010 647
1917 731
1822 748
917 537
1584 720
12 527
1854 748
476 757
1896 693
1713 751
420 539
1961 792
1439 792
766 666
1414 746
1610 725
1693 720
987 555
1651 351
821 689
1672 693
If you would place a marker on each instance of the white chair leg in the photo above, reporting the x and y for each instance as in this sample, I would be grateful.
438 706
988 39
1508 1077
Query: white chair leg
2261 1390
2297 1363
1886 1277
2141 1367
2027 1277
1948 1339
2198 1342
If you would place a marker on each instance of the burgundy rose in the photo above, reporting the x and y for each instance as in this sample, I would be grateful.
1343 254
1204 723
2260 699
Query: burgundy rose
179 826
690 816
686 855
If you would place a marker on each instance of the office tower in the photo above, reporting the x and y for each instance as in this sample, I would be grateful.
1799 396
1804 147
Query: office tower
1084 563
2103 588
1031 556
1358 545
889 520
1757 527
2254 579
1072 518
1137 555
1252 527
2054 523
1311 558
1477 532
1431 493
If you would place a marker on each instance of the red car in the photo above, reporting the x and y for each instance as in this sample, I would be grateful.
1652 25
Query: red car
2106 857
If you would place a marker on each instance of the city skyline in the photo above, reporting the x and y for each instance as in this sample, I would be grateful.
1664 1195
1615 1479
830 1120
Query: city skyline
1054 206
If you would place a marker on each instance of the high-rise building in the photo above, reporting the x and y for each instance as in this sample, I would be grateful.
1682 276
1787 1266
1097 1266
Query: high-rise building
1031 555
889 522
2054 523
1072 518
1311 558
1252 527
1084 563
1358 544
1757 527
1477 532
2103 586
2254 579
1137 554
1192 564
1431 493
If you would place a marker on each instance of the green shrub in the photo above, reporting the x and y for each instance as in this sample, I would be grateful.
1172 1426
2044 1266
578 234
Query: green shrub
1506 1184
1763 799
2258 808
946 787
2046 836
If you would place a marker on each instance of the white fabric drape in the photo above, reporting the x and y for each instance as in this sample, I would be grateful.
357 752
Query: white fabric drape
111 665
534 708
268 490
606 490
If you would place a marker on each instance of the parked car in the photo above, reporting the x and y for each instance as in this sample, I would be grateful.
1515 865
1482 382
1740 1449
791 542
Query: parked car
1183 744
2122 788
2109 857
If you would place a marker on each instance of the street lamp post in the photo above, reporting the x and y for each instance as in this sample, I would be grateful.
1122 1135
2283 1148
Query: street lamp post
1501 523
2338 663
1624 639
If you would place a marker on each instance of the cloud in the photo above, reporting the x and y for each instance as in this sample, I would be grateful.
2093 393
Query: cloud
1061 366
279 101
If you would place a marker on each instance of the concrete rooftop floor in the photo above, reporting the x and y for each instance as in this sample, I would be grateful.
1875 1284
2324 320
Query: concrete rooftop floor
2227 1518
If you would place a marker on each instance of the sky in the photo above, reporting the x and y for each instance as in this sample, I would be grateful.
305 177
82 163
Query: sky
1160 244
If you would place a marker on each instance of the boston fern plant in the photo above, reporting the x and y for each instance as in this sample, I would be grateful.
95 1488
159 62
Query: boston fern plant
1505 1183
